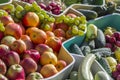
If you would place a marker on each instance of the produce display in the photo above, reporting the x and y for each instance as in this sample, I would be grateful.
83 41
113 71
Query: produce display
31 39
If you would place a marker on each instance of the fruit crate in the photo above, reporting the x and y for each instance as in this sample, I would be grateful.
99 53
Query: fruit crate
4 2
111 20
63 74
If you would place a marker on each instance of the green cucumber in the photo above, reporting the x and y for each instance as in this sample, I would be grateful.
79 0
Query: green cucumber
100 40
101 75
101 10
86 50
92 44
104 63
74 75
104 53
90 14
74 48
84 67
100 50
95 2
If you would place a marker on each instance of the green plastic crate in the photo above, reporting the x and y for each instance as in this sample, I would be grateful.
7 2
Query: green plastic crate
112 20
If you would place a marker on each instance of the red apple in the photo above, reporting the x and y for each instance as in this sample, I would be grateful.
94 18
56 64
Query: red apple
1 35
29 65
34 76
4 49
62 26
48 70
54 42
71 15
34 54
6 20
8 40
28 42
22 27
59 32
13 29
16 72
50 34
42 48
30 19
19 46
62 39
38 36
60 65
3 67
2 77
11 58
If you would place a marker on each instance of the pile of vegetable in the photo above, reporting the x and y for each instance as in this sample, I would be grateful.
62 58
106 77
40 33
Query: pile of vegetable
100 45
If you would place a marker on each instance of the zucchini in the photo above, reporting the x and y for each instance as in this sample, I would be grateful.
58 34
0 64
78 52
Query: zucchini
90 14
84 67
104 63
74 48
100 40
101 75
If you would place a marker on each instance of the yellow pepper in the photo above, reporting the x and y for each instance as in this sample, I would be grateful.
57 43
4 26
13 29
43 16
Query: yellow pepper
112 62
117 54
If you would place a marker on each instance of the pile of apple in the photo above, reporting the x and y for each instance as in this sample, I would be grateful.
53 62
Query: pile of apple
30 41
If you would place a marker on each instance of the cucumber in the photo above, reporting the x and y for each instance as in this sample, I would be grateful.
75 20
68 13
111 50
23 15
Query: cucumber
92 44
101 75
84 67
90 14
100 40
100 50
101 10
86 50
95 2
104 63
74 75
74 48
104 53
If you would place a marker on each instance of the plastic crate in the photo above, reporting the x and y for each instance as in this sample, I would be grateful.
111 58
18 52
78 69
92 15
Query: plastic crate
63 74
4 2
111 20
